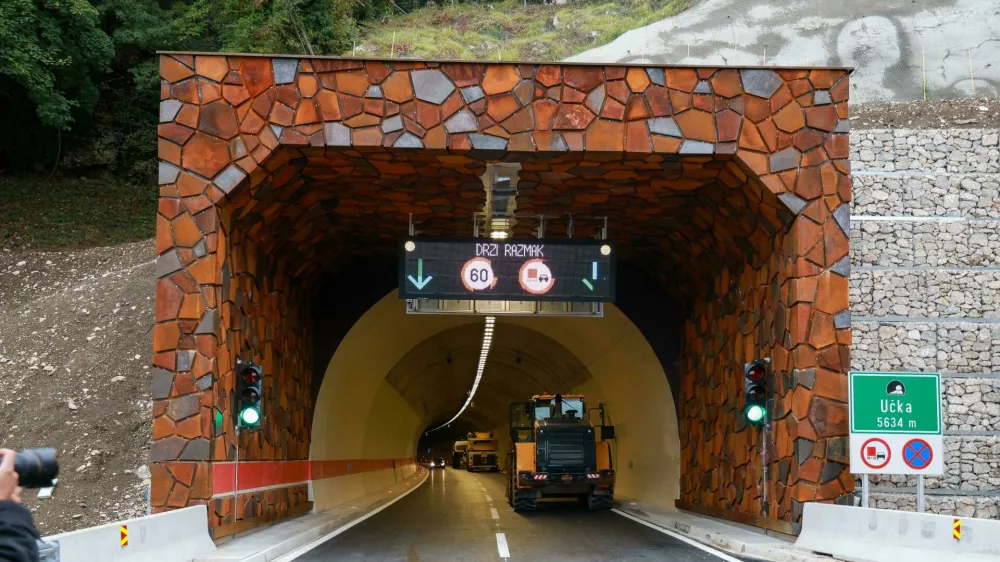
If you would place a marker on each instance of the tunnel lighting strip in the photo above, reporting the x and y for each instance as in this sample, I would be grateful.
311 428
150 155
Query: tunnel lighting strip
483 353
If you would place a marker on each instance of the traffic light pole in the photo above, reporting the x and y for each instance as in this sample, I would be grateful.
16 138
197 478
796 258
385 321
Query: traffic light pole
236 482
763 448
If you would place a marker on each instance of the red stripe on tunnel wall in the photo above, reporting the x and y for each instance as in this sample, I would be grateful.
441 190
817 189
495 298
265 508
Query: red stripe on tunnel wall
264 474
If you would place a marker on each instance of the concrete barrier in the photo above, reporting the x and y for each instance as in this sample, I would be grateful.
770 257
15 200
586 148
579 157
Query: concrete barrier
174 536
858 534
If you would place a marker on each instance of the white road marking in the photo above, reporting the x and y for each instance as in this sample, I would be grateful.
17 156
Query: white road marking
489 498
307 547
493 512
502 546
678 536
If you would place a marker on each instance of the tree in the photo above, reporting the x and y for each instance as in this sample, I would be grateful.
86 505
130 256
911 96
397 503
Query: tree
83 75
53 50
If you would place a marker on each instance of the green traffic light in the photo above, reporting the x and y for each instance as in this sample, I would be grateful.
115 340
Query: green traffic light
250 416
755 413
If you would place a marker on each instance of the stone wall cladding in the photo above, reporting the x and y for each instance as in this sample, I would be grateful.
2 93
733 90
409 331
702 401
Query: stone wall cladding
972 464
934 293
925 295
987 507
925 243
949 346
971 195
957 151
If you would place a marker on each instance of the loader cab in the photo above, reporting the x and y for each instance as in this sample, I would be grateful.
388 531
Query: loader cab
565 410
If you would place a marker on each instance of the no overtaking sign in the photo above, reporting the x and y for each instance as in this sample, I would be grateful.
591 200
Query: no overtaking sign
896 425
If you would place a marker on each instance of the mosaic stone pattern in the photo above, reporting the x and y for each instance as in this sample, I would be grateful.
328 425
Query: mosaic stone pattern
730 185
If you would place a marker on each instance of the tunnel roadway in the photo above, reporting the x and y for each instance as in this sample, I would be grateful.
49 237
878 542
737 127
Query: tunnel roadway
457 515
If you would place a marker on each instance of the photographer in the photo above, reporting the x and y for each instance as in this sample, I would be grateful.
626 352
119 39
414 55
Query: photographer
18 535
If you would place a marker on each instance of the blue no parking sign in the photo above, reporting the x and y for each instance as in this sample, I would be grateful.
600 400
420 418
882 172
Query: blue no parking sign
917 454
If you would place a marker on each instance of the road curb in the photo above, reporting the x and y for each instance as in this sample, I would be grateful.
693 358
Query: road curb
711 535
278 541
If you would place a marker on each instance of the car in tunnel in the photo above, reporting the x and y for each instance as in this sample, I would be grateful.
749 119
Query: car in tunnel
436 462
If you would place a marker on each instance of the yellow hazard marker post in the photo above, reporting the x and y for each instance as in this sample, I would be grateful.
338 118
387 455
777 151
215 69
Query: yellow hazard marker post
957 530
124 533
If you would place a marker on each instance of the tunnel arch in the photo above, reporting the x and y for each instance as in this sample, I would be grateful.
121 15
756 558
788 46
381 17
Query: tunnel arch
608 359
729 186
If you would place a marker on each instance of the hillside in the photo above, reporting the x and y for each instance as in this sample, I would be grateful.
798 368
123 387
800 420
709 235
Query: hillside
74 374
509 30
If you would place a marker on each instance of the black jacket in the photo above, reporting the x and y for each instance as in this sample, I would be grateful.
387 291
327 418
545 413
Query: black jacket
18 536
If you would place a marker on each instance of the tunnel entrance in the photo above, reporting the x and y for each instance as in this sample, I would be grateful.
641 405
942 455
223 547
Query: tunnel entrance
286 182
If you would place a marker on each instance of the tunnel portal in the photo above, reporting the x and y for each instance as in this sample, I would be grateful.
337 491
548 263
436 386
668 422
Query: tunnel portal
286 182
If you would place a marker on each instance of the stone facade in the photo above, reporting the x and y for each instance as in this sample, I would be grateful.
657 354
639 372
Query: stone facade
925 295
274 169
948 346
954 151
755 316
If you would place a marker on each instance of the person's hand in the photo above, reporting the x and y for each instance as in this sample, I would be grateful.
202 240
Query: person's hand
9 490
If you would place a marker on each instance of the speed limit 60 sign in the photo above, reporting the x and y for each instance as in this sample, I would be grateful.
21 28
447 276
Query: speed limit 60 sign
477 274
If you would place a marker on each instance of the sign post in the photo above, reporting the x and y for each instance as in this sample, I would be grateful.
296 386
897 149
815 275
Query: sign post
896 426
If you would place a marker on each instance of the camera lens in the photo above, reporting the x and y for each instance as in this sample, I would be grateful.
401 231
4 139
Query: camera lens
36 468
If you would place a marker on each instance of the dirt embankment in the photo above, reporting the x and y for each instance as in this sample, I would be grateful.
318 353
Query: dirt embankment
934 114
74 374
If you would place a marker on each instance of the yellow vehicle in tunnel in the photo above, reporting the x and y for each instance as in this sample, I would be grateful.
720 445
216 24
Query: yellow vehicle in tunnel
556 453
458 454
482 453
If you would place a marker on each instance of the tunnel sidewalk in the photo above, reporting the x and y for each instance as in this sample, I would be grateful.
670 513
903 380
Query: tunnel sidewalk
276 542
741 540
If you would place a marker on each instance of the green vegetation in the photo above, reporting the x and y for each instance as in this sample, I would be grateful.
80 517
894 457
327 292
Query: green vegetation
79 77
511 30
55 214
79 82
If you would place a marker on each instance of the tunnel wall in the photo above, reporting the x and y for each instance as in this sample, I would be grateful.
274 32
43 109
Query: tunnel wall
793 309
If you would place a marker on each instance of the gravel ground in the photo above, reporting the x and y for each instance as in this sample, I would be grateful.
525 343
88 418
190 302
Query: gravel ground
74 374
933 114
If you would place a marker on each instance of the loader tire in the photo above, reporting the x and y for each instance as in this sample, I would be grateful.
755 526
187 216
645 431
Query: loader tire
598 503
525 504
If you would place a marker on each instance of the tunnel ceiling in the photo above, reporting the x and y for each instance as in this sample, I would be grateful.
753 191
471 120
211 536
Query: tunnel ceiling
521 362
679 217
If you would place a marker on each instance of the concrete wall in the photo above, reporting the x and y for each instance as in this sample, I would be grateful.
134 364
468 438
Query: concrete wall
925 294
627 376
358 415
893 44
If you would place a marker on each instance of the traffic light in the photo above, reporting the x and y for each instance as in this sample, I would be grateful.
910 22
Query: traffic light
755 391
249 391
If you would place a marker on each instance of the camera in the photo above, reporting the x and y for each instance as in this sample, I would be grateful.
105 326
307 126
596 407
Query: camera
36 468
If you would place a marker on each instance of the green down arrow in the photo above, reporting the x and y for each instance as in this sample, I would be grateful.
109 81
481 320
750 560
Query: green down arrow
420 282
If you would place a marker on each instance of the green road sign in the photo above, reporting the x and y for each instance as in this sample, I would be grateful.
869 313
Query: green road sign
895 403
